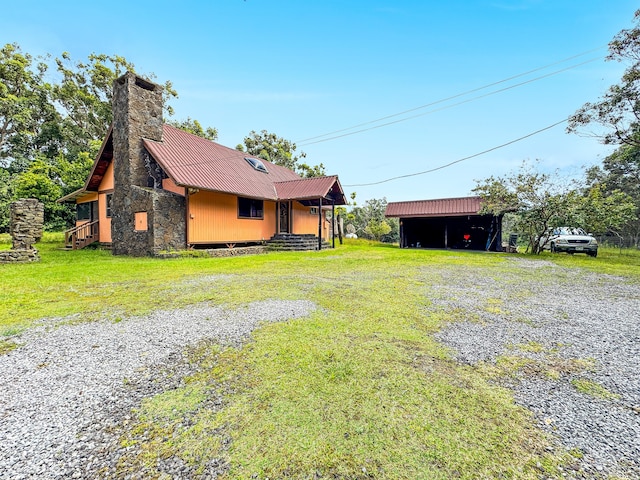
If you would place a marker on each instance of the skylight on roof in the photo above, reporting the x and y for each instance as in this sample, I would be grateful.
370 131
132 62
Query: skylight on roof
257 164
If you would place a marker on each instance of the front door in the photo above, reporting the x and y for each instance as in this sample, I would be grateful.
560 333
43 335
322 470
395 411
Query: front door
284 217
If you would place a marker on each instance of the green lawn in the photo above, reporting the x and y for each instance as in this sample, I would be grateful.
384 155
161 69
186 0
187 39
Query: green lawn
358 390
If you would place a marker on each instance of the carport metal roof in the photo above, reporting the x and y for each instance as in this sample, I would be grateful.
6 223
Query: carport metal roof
443 207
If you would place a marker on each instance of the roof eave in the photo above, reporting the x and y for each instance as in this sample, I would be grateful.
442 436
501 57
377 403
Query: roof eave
98 157
74 195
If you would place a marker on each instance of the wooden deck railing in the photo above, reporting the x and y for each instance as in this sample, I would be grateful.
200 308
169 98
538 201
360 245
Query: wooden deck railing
82 235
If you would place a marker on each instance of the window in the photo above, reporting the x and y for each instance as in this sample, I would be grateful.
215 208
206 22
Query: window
313 210
257 164
250 208
108 201
83 211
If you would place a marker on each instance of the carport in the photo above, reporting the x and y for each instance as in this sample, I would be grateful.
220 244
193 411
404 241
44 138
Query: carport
446 223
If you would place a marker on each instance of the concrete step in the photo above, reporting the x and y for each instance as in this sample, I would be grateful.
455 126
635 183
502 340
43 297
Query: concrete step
294 242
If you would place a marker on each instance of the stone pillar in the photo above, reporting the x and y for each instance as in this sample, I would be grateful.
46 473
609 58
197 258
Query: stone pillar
27 219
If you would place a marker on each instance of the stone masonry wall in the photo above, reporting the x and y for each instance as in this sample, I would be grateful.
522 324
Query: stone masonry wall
165 227
169 221
137 114
27 219
125 239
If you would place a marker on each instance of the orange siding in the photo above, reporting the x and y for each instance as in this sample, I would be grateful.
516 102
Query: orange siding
105 222
213 218
305 222
106 186
171 186
107 180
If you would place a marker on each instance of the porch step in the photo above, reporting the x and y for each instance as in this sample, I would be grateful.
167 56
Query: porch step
294 242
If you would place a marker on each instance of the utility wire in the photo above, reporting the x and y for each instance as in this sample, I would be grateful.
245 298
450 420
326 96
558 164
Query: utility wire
451 105
459 160
308 140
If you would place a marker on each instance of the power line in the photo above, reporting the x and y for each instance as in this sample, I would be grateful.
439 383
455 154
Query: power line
307 141
453 104
459 160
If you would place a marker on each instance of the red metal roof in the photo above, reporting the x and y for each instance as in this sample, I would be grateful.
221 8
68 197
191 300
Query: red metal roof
311 188
444 207
192 161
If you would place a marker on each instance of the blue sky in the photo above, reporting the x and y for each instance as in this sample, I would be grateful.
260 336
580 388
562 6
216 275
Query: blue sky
303 69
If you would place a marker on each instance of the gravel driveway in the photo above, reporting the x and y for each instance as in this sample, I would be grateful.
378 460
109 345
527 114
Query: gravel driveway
65 387
577 329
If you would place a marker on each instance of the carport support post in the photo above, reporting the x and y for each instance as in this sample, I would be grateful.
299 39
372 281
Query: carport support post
333 225
446 235
320 224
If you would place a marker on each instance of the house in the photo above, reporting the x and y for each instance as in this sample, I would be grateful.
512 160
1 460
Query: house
446 223
154 187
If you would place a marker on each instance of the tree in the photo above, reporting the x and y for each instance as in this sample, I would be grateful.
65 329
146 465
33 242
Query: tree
540 203
41 182
84 96
272 148
618 111
606 213
194 127
6 196
376 229
50 132
308 171
620 172
370 222
279 151
27 117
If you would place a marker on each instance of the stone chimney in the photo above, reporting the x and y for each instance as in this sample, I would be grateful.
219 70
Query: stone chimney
145 218
137 114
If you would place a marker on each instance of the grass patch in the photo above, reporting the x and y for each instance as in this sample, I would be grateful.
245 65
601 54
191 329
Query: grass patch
358 390
612 261
7 346
593 389
551 365
533 347
495 306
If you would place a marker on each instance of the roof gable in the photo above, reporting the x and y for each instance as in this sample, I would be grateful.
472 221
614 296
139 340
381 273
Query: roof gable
444 207
312 188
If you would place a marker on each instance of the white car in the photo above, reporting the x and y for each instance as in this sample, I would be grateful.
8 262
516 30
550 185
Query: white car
572 240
